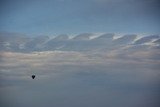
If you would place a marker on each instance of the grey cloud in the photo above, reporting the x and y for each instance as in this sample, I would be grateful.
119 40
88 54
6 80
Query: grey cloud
99 76
84 36
81 42
147 39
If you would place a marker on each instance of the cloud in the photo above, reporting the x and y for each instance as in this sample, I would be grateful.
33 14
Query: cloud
92 77
25 63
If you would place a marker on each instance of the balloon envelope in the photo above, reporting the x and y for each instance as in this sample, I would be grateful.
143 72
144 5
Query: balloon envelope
33 76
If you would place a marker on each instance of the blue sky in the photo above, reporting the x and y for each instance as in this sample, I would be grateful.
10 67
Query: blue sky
78 16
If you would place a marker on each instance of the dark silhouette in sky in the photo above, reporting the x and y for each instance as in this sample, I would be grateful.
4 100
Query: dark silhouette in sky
33 76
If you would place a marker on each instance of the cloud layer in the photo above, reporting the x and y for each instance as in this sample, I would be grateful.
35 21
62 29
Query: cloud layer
83 42
88 70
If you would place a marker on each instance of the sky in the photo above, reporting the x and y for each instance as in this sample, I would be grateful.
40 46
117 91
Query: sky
49 17
102 58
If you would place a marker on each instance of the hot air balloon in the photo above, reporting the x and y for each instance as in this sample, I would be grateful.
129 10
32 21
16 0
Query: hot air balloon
33 76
